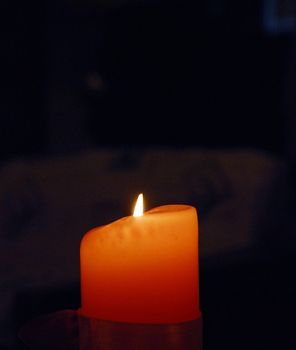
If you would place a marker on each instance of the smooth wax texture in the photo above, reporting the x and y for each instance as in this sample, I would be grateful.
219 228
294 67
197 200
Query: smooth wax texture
142 269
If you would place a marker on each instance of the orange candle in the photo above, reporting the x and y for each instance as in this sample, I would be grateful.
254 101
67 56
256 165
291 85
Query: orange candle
142 268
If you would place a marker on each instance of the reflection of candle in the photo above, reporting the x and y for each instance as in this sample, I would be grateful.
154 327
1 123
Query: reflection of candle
142 269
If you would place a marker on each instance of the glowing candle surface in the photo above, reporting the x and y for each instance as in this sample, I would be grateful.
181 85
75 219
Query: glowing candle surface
142 268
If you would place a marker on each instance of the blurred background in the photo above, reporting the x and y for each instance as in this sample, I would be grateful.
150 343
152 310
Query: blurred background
187 101
78 74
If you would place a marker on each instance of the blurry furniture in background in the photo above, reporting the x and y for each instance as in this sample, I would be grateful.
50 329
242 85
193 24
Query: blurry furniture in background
279 16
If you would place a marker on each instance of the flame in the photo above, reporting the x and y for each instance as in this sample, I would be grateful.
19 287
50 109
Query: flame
138 211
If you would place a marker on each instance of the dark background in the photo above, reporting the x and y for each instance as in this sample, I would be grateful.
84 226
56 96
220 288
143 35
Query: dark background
78 74
84 74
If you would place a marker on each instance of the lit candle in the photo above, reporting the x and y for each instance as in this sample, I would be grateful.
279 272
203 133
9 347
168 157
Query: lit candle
142 268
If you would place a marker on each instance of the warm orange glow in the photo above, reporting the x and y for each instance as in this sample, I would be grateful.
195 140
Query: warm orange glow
142 270
138 211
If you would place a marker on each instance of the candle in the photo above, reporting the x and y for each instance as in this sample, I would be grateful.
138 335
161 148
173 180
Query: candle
142 268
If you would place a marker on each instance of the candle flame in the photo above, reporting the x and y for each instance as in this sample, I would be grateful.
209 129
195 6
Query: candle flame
138 211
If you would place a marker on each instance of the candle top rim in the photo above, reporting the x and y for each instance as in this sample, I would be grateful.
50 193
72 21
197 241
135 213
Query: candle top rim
167 209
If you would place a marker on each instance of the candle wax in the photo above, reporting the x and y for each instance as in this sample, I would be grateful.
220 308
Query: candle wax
142 269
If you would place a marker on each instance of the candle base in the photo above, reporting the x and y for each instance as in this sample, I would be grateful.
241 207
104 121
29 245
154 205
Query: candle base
107 335
67 330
